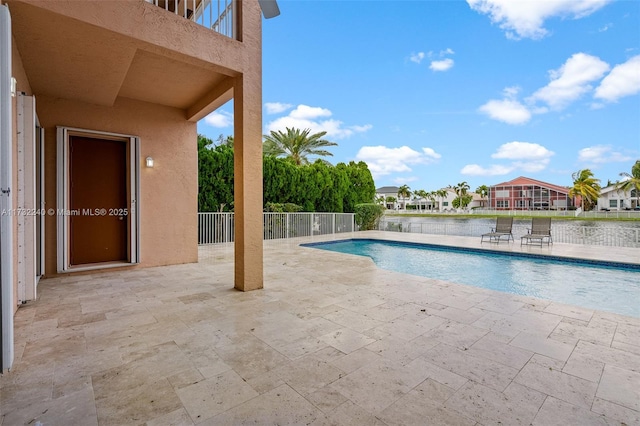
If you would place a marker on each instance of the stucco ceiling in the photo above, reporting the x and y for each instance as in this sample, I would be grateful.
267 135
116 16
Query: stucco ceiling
66 58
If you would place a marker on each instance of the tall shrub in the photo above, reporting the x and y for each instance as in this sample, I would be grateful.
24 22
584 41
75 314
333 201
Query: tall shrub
368 215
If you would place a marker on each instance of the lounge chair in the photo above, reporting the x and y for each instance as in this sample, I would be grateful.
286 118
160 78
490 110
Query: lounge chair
539 233
502 229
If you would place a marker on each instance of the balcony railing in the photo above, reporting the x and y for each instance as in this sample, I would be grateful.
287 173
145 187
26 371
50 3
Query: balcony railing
218 15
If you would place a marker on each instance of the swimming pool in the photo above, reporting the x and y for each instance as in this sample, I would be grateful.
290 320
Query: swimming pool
598 285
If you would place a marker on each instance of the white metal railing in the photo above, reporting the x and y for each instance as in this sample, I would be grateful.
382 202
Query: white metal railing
617 236
613 214
219 227
218 15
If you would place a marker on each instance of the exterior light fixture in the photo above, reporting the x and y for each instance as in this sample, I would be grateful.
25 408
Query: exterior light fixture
14 85
149 162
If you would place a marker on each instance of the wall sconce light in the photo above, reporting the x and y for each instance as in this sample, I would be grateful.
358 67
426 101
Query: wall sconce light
149 162
14 84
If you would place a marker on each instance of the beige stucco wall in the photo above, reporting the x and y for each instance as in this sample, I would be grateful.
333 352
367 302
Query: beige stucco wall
168 192
178 71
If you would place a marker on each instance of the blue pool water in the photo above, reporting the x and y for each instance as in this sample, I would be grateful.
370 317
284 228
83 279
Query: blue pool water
604 286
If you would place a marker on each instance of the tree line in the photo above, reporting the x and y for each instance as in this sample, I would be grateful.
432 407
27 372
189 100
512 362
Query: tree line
585 186
290 183
462 200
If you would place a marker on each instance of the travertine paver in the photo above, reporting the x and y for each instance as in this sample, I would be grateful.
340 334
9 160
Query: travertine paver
330 340
557 412
280 406
584 366
511 356
424 404
553 382
543 346
517 405
484 371
346 340
620 386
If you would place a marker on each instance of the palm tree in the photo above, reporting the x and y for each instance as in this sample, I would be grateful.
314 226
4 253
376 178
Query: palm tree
461 190
586 186
391 200
632 182
442 194
420 193
296 144
483 190
431 195
404 192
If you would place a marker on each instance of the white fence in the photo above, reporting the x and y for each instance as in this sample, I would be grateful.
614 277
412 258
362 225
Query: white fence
219 227
613 214
617 236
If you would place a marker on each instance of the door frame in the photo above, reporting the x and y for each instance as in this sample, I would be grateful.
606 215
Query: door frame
40 201
63 211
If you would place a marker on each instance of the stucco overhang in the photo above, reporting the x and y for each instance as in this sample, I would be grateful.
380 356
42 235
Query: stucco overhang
97 51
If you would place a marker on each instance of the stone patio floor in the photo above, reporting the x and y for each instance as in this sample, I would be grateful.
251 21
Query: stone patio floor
330 340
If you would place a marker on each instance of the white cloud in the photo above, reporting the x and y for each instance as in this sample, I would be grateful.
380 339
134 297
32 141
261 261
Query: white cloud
383 160
571 80
509 111
600 154
317 119
219 119
623 80
522 150
442 65
276 107
429 152
305 112
476 170
525 156
605 28
416 57
511 92
525 19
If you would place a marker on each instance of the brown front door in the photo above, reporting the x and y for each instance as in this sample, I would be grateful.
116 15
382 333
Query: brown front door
98 200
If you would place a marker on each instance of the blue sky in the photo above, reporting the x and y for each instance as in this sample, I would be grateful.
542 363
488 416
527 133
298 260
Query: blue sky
433 93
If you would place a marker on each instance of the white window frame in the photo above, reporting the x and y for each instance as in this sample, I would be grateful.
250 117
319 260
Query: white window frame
63 221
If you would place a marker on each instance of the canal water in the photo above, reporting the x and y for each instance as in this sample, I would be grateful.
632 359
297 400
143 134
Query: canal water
490 222
592 232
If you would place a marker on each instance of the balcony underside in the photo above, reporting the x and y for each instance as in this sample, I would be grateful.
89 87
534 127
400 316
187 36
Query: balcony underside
67 56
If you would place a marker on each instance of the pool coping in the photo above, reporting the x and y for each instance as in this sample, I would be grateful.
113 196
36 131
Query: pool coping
479 250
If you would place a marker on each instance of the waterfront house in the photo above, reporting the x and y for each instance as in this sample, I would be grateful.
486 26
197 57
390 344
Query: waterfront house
612 198
386 192
524 193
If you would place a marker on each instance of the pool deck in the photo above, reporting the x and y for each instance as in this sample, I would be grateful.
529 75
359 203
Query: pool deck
330 340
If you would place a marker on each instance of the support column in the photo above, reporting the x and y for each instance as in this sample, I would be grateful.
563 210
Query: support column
247 140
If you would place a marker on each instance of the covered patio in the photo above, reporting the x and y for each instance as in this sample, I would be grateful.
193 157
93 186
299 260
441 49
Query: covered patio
330 340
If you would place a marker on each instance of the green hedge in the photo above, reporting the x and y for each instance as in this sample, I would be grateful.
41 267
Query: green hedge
316 187
368 215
